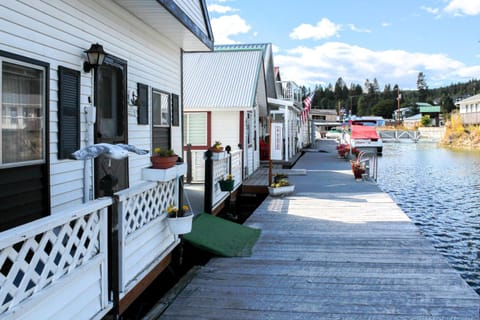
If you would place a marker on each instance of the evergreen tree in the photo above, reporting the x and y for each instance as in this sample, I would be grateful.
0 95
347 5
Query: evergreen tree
422 87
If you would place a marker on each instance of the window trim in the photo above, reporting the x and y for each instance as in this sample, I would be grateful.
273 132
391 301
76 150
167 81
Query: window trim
37 65
157 91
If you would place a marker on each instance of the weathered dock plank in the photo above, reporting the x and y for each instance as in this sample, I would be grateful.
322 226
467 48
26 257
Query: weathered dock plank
351 254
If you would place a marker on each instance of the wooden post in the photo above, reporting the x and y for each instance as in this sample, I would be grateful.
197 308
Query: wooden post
180 193
189 163
208 194
270 154
228 149
114 257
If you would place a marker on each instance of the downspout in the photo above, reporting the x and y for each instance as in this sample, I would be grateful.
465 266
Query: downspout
90 116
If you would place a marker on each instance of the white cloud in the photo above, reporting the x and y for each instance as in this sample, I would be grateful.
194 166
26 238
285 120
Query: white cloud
225 27
356 29
430 10
322 30
325 63
463 7
220 9
386 24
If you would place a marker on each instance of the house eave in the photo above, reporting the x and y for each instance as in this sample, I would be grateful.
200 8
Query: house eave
167 18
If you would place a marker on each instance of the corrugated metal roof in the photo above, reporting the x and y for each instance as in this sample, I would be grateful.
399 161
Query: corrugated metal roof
471 99
243 46
221 79
269 67
426 109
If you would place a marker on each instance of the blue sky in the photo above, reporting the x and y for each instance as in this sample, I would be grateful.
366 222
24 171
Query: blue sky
317 41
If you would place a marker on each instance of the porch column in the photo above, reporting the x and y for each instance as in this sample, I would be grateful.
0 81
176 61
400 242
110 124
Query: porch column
287 134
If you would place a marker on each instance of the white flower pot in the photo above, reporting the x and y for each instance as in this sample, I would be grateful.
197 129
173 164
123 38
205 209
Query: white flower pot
180 225
281 190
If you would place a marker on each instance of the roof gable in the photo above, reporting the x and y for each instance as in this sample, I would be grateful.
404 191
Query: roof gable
221 79
269 67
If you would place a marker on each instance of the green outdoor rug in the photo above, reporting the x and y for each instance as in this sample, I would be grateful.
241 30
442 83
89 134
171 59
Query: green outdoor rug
222 237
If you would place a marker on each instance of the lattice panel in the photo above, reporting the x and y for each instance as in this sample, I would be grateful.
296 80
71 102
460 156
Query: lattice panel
144 207
220 169
37 262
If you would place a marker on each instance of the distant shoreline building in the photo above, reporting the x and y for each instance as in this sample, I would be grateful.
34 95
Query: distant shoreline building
470 109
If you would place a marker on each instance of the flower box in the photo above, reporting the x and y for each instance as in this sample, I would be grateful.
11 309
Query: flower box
180 225
217 155
278 191
226 185
162 175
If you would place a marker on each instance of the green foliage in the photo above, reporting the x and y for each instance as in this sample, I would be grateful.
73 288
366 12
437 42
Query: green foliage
385 108
369 100
426 121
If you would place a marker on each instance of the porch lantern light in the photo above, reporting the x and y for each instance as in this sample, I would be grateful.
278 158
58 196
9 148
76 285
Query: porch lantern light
95 56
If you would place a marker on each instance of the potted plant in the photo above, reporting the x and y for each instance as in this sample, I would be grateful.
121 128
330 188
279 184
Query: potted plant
179 220
279 176
227 183
217 147
358 168
163 158
282 187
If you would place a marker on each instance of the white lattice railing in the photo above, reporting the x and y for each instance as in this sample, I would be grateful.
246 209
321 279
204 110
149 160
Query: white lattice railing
144 203
145 238
41 254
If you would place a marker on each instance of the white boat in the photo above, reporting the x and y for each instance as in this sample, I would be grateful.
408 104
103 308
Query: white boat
364 138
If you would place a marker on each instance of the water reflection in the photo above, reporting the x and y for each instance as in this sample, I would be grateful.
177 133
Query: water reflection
438 188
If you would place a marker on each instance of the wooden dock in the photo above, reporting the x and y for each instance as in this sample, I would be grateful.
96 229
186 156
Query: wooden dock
336 249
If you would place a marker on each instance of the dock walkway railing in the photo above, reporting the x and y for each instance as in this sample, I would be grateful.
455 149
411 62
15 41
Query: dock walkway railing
217 167
370 160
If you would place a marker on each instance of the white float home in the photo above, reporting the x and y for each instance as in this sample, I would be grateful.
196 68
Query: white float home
226 101
67 251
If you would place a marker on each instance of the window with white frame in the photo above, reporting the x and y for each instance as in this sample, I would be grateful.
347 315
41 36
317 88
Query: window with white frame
195 128
161 108
22 95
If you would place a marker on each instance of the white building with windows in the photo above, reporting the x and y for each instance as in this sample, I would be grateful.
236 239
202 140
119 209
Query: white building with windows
469 109
225 100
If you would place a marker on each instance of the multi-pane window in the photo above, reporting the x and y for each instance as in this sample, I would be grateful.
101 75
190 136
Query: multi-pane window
195 128
22 94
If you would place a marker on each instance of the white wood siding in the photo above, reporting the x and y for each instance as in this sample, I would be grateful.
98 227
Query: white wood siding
226 128
68 292
58 32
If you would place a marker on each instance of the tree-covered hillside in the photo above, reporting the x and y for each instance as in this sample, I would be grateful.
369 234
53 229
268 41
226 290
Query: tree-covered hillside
370 99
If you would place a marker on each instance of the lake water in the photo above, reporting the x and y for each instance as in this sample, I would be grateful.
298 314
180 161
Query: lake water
439 189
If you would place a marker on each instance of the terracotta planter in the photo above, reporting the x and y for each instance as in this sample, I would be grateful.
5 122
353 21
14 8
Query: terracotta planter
163 162
226 185
181 225
219 149
358 172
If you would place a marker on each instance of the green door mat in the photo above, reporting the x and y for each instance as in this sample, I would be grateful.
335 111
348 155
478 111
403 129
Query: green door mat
222 237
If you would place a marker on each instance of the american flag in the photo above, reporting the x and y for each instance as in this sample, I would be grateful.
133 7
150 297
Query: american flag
307 105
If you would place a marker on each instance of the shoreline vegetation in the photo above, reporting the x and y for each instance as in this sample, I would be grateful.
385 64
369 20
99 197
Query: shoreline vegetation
459 136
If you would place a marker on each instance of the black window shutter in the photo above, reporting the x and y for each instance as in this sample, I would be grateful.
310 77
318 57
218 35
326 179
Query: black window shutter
68 112
142 104
175 111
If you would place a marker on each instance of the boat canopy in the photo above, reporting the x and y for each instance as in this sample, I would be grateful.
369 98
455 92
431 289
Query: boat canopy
364 132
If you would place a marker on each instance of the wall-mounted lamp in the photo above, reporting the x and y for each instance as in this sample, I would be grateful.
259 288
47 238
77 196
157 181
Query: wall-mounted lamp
95 56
